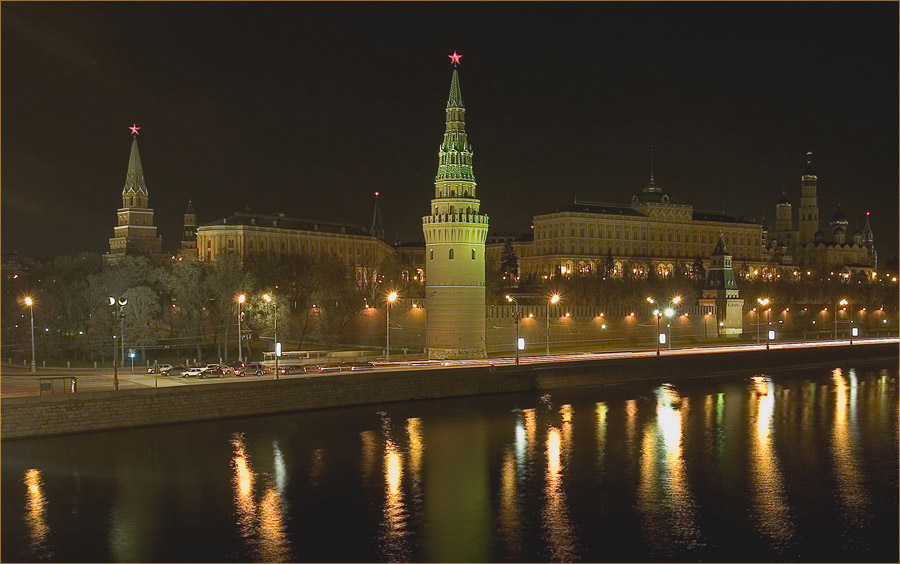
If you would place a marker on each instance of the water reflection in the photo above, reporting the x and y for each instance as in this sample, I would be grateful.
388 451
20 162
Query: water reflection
770 511
558 531
664 495
262 527
600 409
316 467
367 438
510 525
416 450
850 490
243 487
35 503
394 545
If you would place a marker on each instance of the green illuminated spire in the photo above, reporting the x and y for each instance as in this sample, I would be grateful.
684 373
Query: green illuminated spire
455 154
134 180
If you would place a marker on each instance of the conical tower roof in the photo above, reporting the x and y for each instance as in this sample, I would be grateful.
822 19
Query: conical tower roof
720 247
190 208
455 99
134 179
377 229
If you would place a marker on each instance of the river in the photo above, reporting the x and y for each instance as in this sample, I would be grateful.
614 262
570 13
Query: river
798 464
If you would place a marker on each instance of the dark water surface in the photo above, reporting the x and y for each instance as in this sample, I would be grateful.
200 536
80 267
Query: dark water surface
793 465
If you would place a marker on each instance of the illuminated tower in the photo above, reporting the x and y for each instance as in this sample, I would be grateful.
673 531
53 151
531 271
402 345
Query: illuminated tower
455 233
868 239
809 206
783 214
134 233
721 292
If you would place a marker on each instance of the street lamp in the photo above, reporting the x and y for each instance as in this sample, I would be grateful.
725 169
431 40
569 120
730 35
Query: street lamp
762 302
270 300
30 303
118 312
391 298
513 301
554 299
836 311
657 314
240 300
669 313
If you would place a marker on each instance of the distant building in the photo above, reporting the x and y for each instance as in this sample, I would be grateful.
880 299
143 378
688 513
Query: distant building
808 247
134 232
249 235
654 234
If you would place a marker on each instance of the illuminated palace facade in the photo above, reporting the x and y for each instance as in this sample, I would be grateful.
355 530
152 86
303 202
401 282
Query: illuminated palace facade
655 233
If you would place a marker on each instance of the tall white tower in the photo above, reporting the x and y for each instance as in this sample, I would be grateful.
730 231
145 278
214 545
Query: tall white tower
809 206
455 233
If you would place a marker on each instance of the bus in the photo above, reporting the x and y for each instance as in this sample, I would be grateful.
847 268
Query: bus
291 361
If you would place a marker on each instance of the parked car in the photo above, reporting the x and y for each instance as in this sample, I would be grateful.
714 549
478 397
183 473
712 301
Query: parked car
253 368
211 371
162 368
192 372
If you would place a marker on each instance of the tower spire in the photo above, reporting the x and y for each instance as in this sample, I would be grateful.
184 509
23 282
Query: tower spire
651 166
134 179
377 229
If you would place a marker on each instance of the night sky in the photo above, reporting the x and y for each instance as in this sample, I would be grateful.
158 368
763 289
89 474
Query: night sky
306 109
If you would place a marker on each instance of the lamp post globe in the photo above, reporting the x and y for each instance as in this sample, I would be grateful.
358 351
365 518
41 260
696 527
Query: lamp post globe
554 299
30 303
391 298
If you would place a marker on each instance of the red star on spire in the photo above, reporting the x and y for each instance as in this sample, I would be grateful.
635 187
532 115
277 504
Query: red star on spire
134 129
455 57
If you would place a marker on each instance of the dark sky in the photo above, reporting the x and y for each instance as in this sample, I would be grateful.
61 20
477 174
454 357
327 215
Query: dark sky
306 109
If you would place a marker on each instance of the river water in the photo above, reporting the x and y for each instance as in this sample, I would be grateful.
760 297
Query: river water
784 466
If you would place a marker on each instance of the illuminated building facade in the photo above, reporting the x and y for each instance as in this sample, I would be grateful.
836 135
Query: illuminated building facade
455 234
251 234
134 233
654 234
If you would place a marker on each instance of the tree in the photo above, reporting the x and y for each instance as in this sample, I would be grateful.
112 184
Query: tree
698 272
141 311
609 267
509 262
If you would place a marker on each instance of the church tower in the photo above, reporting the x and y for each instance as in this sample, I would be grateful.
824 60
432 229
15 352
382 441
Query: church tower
809 206
189 235
134 233
455 234
868 239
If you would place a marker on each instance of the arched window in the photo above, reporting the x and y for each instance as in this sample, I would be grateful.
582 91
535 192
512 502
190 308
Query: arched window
451 209
473 254
431 254
450 254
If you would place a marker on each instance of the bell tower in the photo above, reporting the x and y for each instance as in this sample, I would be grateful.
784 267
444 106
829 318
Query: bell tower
809 204
455 233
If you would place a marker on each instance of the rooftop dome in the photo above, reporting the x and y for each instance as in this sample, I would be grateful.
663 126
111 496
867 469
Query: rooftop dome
839 216
784 200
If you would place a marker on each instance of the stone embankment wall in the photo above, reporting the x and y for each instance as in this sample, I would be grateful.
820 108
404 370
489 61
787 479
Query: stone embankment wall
83 412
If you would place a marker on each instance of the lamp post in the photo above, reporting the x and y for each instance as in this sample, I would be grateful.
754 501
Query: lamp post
270 300
837 310
669 313
30 303
657 314
240 300
513 301
553 300
391 298
118 312
762 302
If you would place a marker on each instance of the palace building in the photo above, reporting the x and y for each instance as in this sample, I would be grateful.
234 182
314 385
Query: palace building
134 233
655 233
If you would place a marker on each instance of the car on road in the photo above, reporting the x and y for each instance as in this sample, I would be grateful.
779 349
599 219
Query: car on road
252 368
192 372
213 371
357 366
291 369
331 367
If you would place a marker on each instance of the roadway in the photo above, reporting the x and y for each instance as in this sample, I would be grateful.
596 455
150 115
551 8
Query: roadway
17 381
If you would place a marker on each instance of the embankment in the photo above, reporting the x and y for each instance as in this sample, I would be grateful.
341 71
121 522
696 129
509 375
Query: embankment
96 411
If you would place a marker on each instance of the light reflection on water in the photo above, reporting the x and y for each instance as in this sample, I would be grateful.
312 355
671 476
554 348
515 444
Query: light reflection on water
34 514
850 490
770 509
666 469
261 524
558 531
